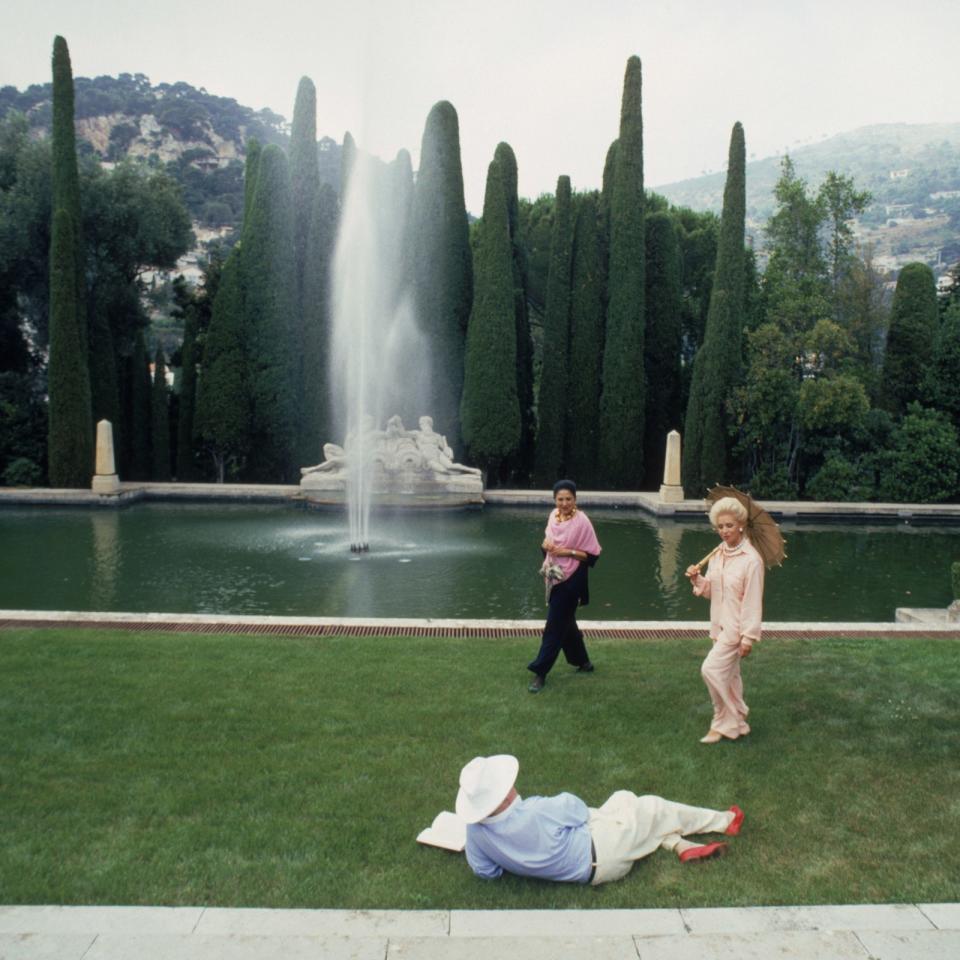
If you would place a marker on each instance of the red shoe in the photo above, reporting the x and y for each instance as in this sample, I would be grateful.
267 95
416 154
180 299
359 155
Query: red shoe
706 852
736 822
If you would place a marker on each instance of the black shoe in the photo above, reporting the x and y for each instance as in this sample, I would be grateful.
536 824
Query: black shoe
536 684
585 667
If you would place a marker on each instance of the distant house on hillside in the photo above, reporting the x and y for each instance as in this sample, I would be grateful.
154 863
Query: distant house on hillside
899 174
898 209
949 255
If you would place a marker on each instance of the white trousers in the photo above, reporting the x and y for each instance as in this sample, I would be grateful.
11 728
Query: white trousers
627 828
721 674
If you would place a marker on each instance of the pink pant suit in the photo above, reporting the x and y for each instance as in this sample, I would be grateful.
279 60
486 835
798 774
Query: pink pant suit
734 584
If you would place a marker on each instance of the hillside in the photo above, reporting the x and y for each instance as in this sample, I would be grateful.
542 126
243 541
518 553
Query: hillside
911 170
197 136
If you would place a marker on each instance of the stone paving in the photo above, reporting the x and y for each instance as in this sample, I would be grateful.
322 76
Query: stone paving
860 932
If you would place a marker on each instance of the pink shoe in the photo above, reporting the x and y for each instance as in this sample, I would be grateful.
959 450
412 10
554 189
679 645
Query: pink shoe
736 822
706 852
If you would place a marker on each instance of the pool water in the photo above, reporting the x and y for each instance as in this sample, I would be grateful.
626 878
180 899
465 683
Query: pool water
286 560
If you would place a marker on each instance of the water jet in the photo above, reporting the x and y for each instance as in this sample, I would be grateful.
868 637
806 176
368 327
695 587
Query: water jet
381 366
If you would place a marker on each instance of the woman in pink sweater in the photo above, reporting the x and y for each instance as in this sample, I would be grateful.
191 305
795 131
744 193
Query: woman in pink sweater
734 585
570 547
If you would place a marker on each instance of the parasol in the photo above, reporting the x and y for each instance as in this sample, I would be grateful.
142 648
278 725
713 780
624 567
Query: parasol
761 528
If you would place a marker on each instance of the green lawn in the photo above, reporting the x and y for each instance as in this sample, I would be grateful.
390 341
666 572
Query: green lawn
278 772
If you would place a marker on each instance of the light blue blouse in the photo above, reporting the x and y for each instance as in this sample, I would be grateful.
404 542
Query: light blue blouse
546 837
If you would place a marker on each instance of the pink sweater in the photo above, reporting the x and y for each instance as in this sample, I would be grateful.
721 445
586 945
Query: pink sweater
573 534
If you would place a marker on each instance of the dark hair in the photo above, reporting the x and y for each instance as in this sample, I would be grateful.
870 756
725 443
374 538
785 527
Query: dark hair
565 485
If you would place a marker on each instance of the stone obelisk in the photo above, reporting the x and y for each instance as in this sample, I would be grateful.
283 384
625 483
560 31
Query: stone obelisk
105 480
671 490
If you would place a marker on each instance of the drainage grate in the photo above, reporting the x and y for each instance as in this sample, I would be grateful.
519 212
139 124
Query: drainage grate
452 632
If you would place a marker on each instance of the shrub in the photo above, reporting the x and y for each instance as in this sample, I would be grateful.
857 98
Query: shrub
772 483
840 479
924 464
22 473
216 213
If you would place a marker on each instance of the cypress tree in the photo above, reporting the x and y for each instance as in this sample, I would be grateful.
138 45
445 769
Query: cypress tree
268 271
603 217
141 420
398 183
537 225
718 363
104 384
943 377
606 192
442 270
662 350
694 485
522 461
65 183
304 184
624 389
729 272
70 435
123 432
160 420
586 345
222 418
490 408
552 396
911 337
396 187
317 425
250 170
697 234
186 467
304 166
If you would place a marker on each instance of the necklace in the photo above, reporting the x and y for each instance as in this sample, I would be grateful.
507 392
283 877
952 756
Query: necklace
562 519
729 551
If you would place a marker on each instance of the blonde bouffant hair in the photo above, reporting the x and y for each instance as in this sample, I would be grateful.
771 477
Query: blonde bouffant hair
728 505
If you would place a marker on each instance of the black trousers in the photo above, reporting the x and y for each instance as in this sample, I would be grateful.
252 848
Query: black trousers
561 631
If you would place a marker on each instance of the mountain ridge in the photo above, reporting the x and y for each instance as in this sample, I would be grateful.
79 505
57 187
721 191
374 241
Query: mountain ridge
911 170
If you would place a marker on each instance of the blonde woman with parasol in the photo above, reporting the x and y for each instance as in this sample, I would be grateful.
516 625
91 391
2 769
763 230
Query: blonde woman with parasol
750 540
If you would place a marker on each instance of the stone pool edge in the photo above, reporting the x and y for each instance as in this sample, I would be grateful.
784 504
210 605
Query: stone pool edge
130 492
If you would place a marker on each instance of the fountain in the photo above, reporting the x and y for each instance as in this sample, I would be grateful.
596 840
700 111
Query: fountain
380 365
390 467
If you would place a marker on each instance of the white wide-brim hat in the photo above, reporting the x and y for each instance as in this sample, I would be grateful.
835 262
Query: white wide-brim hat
484 784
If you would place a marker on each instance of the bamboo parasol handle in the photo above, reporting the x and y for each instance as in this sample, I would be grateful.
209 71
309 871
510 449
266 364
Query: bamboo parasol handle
709 555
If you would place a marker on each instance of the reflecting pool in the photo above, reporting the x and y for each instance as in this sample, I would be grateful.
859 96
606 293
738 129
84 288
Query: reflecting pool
288 561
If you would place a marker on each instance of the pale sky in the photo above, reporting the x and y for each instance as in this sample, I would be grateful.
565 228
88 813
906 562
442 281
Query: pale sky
544 75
